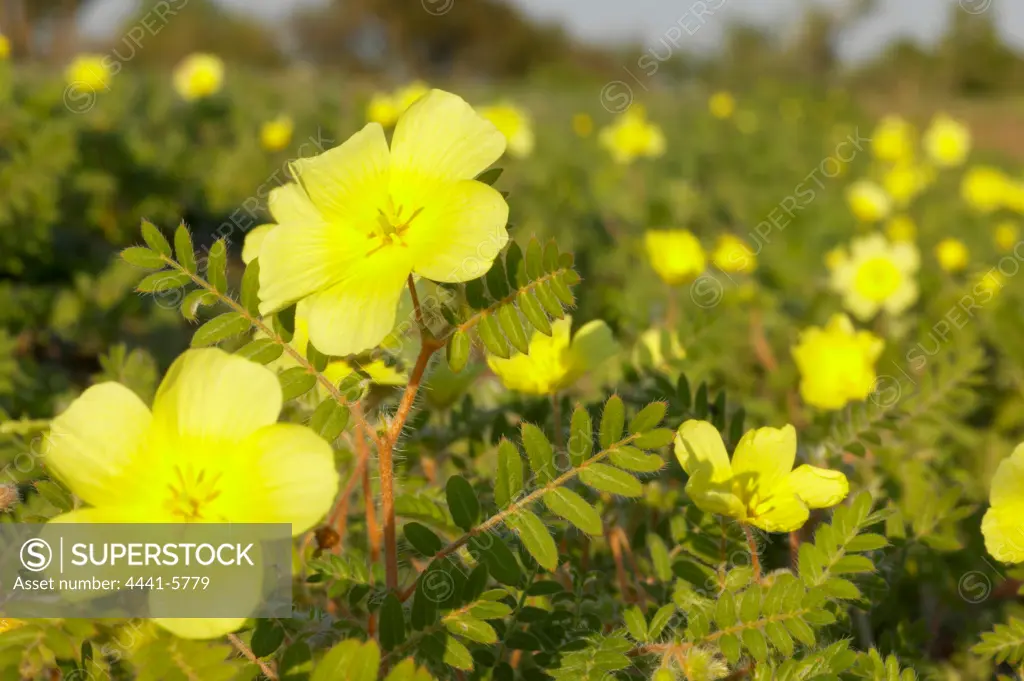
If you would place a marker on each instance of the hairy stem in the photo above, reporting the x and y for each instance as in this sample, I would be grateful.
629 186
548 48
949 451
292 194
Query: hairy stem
755 559
246 652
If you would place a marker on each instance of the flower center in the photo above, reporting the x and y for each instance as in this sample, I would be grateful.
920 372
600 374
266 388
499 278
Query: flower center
191 492
392 222
877 279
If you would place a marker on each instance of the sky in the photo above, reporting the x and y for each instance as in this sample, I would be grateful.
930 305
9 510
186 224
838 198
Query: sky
650 20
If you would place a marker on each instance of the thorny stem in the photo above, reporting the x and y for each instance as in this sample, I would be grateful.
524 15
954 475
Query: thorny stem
251 656
429 345
513 508
755 559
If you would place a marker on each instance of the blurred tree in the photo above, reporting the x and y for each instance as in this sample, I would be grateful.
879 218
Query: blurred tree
973 59
429 38
199 26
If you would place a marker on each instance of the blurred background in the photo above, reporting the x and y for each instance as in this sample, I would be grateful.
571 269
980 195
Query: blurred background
84 156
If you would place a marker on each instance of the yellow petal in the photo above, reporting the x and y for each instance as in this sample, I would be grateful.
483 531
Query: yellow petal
254 242
457 235
349 183
780 513
712 497
440 138
764 457
293 478
1003 528
200 628
298 260
818 487
699 447
592 345
289 203
115 514
214 396
95 445
359 312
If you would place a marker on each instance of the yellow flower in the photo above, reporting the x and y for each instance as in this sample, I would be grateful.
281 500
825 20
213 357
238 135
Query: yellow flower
676 255
991 282
5 47
837 363
582 125
732 254
632 136
876 275
952 255
554 363
901 228
198 75
947 141
1006 236
1003 524
868 201
893 140
658 348
276 134
385 108
759 487
514 123
364 217
88 72
903 182
210 450
722 105
835 258
985 188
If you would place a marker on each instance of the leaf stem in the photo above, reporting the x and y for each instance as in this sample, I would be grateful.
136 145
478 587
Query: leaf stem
755 559
246 652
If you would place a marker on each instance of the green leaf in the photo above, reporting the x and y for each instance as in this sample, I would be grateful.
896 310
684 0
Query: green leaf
59 497
349 660
500 560
216 266
295 382
581 437
266 637
866 542
632 459
221 327
534 259
163 281
750 605
329 419
509 483
852 565
316 358
561 288
607 479
515 267
492 337
508 318
261 350
251 288
756 643
655 439
490 610
457 351
550 256
143 257
574 508
183 249
155 239
471 628
422 538
456 655
661 620
725 610
193 301
636 625
490 176
548 300
660 557
462 502
730 646
613 420
475 584
647 418
497 282
534 536
800 630
780 638
534 313
392 622
539 452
